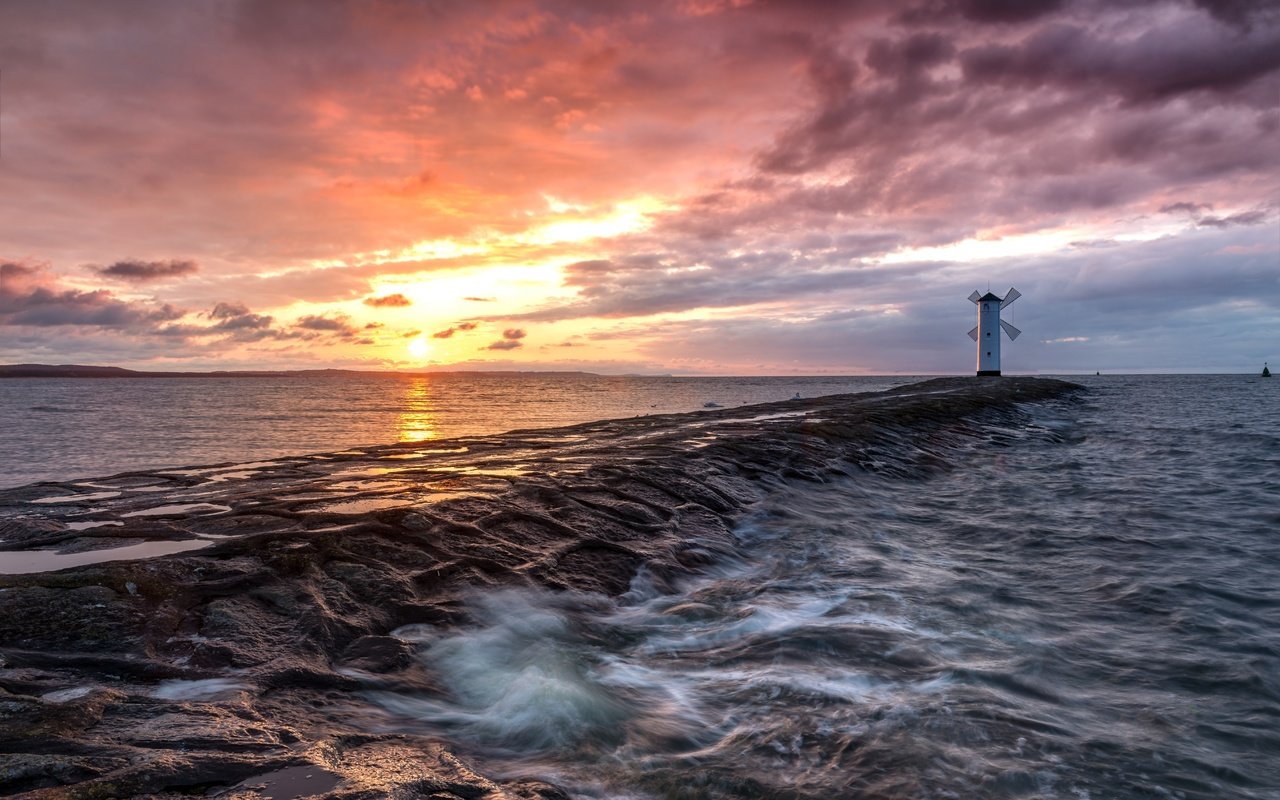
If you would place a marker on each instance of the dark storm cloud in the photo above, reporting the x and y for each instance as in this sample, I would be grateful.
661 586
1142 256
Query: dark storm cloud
1240 12
147 271
12 272
912 54
451 330
30 295
1165 304
396 300
1185 207
1007 10
337 324
1198 212
657 284
241 324
1051 76
920 138
1254 217
228 310
981 11
73 307
1186 57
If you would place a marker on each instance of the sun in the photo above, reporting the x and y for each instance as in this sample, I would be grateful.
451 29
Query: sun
419 349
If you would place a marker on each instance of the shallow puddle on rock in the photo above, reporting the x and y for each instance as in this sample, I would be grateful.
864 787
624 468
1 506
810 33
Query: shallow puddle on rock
125 482
76 498
760 417
291 783
190 473
512 471
365 472
232 476
248 465
178 509
439 497
84 526
696 443
27 561
359 506
557 439
365 486
301 497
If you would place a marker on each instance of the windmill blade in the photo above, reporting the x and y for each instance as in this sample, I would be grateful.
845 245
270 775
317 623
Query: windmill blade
973 334
973 298
1013 294
1013 332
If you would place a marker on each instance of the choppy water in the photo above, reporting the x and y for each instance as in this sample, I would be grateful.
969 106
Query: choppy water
1087 607
64 428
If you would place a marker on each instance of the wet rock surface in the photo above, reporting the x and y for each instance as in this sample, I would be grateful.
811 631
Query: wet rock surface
227 667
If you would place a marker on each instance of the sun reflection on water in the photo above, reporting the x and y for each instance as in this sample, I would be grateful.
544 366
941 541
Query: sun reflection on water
417 421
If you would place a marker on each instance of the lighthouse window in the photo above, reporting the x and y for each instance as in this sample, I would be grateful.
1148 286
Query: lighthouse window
984 306
988 334
988 352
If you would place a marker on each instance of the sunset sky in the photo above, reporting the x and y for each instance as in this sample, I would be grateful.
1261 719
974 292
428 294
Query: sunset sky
696 186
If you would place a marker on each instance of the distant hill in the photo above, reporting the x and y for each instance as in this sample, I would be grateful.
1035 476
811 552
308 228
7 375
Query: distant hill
83 371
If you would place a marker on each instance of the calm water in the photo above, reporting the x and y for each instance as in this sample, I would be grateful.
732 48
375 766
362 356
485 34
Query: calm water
63 428
1087 606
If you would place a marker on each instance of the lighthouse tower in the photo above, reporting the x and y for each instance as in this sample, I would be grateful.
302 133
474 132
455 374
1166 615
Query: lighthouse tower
987 334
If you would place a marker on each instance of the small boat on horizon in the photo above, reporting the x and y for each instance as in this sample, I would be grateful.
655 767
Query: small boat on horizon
1266 371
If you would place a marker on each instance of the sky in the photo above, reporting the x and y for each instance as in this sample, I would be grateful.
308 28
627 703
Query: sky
685 187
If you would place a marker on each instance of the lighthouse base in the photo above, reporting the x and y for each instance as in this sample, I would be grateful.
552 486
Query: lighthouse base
988 373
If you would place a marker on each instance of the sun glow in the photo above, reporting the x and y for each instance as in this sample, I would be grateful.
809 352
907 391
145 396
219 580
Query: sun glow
567 225
629 217
419 349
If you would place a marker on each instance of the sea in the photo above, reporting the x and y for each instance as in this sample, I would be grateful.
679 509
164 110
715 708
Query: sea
70 428
1086 606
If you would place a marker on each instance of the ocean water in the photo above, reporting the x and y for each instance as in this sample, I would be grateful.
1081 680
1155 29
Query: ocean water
65 428
1081 600
1086 606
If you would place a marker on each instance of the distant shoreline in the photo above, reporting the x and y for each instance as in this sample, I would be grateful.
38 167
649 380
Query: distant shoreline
85 371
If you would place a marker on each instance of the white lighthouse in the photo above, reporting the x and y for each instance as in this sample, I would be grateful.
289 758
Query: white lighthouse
987 334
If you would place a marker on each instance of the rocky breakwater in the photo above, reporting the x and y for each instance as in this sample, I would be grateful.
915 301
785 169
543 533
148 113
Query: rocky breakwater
228 662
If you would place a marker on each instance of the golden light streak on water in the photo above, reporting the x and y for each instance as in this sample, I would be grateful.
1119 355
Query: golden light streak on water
417 421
